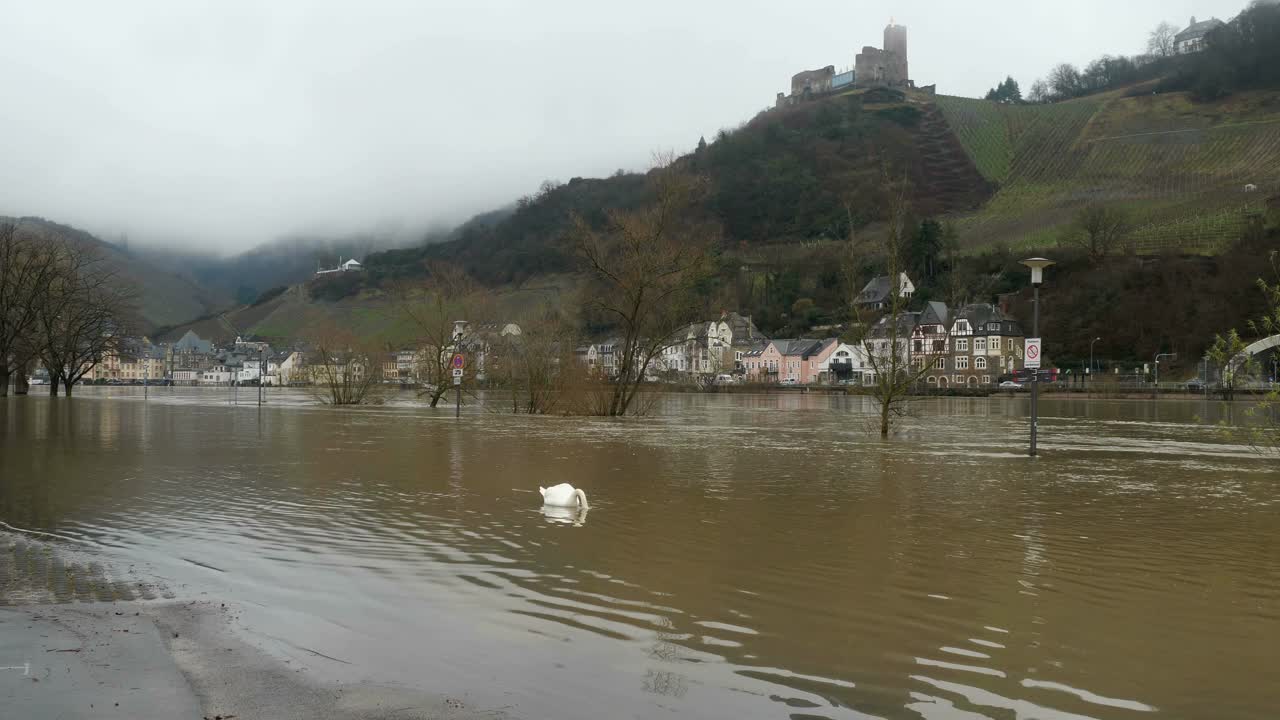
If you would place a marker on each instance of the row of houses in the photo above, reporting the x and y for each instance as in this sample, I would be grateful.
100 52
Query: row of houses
976 346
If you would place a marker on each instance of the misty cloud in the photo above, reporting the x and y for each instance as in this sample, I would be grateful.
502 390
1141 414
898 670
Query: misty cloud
219 125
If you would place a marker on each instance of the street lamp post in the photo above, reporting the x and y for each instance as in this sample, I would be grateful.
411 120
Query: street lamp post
1037 266
1091 344
1172 356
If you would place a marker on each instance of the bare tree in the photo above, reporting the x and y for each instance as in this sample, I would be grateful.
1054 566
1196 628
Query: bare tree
28 266
1039 93
538 362
344 369
1098 230
1065 81
1160 41
432 312
87 309
645 265
886 346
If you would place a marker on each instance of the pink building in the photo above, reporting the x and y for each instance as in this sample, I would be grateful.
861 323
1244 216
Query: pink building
802 362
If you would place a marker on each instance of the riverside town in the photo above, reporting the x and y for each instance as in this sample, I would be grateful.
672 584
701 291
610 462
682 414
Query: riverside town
867 360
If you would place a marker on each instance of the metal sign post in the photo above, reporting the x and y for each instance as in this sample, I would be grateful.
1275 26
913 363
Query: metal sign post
458 363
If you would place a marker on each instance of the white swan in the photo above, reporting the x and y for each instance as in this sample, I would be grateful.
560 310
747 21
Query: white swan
564 495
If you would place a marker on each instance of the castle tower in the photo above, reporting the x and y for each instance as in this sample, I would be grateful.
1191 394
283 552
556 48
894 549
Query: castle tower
895 42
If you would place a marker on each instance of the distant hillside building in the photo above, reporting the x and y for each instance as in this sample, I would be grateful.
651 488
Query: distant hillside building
884 68
351 265
873 68
812 82
1191 40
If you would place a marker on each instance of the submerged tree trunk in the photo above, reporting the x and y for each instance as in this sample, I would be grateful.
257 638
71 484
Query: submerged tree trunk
54 385
438 393
4 382
885 409
68 384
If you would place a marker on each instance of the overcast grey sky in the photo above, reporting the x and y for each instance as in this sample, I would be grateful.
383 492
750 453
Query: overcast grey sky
226 123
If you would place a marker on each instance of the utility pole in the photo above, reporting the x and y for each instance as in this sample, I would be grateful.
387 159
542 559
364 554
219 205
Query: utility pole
1037 266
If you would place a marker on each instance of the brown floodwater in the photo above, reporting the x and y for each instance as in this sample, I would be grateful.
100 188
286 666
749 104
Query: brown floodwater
744 556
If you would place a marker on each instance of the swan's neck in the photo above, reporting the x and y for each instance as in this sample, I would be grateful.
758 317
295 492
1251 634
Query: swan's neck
582 499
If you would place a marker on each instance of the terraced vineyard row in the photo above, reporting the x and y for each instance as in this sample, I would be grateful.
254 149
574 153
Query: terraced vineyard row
1183 185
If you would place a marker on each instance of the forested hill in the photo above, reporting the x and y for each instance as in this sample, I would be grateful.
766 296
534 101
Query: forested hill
784 177
165 297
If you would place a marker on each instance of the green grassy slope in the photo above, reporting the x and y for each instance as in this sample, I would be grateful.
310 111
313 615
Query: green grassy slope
1179 168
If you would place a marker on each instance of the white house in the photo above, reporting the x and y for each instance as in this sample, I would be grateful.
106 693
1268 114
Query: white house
1192 39
219 375
846 362
877 293
293 369
351 265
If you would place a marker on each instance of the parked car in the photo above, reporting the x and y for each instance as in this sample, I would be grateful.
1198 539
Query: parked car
724 379
788 382
1196 386
1010 385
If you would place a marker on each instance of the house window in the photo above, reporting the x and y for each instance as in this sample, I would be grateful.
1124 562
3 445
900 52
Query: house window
962 345
995 343
993 327
980 344
918 346
986 379
933 380
941 364
979 363
939 346
919 363
962 362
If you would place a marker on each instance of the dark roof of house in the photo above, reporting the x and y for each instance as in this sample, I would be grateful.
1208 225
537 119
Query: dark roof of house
875 291
192 342
982 315
803 347
907 322
935 313
743 329
1198 29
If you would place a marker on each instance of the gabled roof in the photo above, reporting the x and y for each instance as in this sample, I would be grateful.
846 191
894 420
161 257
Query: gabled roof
802 347
191 342
879 289
1198 30
935 313
907 322
981 315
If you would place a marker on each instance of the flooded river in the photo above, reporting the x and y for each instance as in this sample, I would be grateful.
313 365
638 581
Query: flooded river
745 556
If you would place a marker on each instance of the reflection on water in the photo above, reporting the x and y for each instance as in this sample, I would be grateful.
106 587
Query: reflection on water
565 515
746 556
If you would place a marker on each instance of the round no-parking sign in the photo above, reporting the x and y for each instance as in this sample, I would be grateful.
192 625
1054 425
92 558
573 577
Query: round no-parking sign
1031 353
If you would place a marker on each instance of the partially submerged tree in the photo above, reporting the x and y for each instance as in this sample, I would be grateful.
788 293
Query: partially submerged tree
86 309
538 362
646 266
1235 367
344 369
1098 230
432 313
886 346
29 264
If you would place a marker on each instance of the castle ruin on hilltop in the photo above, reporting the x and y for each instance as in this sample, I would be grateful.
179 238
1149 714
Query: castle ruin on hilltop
872 68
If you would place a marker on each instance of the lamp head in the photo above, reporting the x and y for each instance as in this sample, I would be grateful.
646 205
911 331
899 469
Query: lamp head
1037 265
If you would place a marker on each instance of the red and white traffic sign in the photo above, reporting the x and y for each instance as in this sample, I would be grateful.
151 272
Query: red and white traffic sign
1031 353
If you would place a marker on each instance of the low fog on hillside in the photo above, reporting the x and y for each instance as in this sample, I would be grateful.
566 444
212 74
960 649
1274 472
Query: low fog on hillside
216 127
